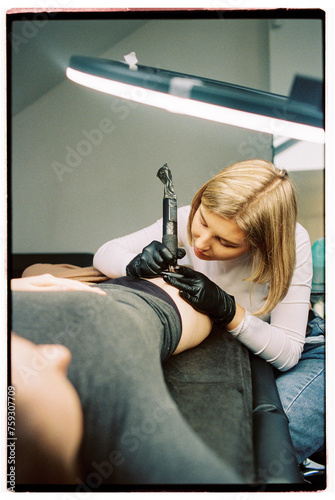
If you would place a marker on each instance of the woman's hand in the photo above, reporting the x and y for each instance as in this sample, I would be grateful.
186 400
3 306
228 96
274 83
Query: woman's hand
49 283
202 294
153 259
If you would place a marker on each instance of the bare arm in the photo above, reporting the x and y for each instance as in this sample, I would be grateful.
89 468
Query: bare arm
49 283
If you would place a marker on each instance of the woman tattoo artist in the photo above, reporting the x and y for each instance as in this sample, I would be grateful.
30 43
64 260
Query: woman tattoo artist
251 271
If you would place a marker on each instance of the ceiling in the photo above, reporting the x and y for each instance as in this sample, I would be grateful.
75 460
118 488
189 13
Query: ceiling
39 50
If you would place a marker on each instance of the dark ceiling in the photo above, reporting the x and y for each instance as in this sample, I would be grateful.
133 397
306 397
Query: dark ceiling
39 50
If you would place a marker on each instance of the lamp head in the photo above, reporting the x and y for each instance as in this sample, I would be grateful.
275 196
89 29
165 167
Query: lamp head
294 117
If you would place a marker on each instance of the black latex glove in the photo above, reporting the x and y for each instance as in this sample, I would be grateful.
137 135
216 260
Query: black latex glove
153 259
204 295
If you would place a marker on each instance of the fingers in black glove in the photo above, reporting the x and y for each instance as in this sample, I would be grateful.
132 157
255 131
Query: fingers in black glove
153 259
203 294
181 253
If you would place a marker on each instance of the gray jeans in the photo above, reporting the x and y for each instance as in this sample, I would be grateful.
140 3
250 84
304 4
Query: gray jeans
133 430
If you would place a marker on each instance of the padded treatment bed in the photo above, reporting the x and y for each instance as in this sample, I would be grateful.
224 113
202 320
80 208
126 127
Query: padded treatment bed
227 395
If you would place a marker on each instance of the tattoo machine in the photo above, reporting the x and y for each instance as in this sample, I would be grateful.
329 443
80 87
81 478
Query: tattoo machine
170 235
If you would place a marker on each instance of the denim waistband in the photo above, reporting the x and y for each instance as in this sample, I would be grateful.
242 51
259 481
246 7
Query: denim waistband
315 327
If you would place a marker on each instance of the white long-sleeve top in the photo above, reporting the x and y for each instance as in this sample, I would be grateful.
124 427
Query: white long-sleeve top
278 337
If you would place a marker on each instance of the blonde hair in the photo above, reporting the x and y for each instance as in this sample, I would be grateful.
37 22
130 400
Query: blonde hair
262 201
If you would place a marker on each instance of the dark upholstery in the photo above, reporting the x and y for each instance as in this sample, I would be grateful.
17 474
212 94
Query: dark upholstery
275 461
20 261
212 387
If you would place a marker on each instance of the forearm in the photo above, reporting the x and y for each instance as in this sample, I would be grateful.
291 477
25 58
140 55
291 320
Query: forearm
238 318
49 283
282 348
112 258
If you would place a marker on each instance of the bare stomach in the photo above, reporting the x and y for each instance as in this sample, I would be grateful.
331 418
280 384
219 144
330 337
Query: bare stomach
195 325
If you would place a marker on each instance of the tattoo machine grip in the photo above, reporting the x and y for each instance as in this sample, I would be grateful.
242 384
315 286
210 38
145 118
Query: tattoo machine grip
170 230
170 236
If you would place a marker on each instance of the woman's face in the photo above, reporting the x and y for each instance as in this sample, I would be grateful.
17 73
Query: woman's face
216 238
47 402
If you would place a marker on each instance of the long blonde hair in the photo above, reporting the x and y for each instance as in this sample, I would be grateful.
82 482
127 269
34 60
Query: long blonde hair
262 201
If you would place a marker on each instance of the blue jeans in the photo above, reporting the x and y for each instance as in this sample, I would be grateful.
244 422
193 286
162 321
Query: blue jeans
302 393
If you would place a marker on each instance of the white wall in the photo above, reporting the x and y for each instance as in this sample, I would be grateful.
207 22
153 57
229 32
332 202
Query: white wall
110 188
295 48
70 194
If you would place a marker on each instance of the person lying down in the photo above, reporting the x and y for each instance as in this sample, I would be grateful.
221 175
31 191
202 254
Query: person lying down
118 334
